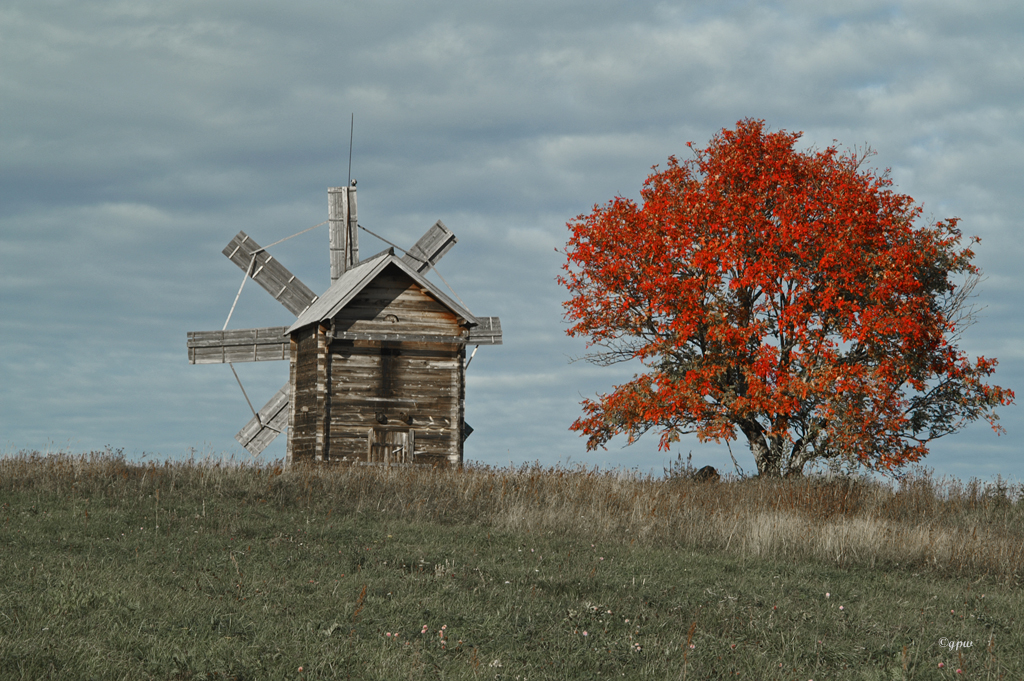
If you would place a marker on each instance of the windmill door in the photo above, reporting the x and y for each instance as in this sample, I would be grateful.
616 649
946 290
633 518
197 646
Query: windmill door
388 446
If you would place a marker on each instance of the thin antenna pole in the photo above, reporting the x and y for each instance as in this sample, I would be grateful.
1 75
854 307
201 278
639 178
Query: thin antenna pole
351 129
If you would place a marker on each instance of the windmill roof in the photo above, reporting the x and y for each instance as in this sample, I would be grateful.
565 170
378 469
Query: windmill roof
354 280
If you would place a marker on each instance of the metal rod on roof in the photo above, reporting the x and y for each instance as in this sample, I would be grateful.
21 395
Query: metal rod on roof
351 130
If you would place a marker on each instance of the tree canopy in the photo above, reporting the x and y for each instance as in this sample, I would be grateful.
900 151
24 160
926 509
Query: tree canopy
787 295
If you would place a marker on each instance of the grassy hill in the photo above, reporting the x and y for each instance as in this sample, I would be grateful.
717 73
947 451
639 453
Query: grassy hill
189 570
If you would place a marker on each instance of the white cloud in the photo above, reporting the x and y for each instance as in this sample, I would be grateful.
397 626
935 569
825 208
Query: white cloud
138 138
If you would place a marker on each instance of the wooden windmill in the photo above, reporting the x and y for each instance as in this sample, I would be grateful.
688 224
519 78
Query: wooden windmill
377 361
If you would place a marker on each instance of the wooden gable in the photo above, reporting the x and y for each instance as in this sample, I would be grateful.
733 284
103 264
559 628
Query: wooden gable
392 303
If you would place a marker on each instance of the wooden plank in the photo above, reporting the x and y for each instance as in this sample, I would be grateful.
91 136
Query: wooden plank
289 447
270 274
430 248
427 380
362 350
420 421
399 337
303 434
487 333
396 330
269 422
356 367
223 355
368 311
458 382
251 353
323 398
238 345
347 432
344 239
389 445
409 323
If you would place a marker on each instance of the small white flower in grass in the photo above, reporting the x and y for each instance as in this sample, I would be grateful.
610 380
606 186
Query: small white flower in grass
585 633
841 607
827 595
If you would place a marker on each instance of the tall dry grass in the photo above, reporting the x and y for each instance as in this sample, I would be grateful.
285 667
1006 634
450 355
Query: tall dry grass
948 526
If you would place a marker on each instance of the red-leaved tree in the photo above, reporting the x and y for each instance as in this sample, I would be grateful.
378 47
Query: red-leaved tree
784 294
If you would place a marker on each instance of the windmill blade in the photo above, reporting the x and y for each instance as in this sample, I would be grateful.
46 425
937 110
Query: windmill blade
430 248
269 273
239 345
268 423
487 332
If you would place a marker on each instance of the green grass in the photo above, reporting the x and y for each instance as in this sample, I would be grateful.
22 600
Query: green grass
110 570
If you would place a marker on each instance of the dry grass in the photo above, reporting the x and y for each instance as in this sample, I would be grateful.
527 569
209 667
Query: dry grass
946 526
198 570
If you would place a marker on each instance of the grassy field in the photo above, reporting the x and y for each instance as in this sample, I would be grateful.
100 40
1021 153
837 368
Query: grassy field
188 570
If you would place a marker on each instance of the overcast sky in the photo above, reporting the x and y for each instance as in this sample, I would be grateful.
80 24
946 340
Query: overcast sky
137 138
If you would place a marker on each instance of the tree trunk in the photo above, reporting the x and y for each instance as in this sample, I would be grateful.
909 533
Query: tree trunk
766 457
799 456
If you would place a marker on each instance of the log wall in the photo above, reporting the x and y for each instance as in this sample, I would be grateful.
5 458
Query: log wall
378 399
303 424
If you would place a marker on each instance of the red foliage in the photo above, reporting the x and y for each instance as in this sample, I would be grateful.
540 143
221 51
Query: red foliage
787 294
